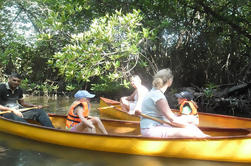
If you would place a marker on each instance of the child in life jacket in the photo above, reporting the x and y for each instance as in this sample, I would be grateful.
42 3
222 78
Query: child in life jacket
78 118
188 108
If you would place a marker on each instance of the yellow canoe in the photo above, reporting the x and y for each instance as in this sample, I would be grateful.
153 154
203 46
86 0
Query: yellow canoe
111 109
232 145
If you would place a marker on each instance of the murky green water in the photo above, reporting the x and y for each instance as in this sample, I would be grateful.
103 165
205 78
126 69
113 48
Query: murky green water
23 152
59 105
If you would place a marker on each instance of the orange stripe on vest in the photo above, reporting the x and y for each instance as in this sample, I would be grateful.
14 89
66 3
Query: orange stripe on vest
192 105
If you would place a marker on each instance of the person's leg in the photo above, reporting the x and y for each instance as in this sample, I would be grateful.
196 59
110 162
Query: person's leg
81 127
193 132
97 121
14 117
153 132
190 119
169 132
38 115
124 104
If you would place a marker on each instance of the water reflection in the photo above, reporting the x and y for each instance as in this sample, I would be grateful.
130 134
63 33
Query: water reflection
2 152
59 105
23 152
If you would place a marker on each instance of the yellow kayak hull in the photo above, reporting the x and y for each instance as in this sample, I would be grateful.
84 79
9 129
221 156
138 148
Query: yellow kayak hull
232 145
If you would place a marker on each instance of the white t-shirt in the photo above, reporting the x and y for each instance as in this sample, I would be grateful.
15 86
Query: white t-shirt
142 90
149 108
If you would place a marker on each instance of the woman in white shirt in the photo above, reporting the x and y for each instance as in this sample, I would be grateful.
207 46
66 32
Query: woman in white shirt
155 105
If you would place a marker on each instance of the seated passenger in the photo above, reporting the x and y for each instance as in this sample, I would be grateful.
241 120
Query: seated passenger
155 105
188 108
11 100
78 118
133 102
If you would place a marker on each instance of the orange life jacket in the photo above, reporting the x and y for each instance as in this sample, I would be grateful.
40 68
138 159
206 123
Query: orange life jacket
72 118
192 105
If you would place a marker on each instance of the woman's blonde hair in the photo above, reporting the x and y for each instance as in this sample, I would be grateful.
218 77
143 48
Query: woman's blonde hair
161 78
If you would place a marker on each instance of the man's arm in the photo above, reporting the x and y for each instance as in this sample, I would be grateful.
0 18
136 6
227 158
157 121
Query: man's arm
3 108
17 112
24 104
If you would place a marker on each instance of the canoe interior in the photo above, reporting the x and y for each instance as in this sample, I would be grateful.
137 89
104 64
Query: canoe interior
132 128
112 126
112 109
206 119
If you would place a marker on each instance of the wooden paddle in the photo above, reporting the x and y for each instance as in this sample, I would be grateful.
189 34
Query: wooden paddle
22 109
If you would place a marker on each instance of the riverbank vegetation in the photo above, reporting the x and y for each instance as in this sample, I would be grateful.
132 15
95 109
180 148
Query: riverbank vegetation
62 46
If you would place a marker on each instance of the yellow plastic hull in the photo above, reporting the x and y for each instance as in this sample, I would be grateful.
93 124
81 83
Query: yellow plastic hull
111 109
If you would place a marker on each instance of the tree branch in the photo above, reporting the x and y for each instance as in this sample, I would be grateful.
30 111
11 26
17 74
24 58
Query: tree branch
236 27
30 16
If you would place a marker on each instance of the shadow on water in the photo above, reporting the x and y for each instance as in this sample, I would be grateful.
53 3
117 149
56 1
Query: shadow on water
24 152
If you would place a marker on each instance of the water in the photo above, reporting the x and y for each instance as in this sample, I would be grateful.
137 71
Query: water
23 152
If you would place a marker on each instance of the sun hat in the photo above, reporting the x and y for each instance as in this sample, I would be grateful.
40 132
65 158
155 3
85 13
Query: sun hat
185 94
83 94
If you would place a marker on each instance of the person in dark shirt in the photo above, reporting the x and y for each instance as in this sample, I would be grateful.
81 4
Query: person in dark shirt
11 99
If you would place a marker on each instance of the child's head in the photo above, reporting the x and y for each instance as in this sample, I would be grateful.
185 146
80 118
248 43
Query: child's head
192 106
184 95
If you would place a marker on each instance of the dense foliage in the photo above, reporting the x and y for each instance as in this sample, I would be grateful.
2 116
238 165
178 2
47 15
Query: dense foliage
108 49
64 45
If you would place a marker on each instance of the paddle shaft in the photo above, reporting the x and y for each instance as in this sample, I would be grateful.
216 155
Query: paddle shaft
143 115
156 119
111 106
21 110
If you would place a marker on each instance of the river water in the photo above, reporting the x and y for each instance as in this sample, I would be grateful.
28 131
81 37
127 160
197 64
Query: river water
16 151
